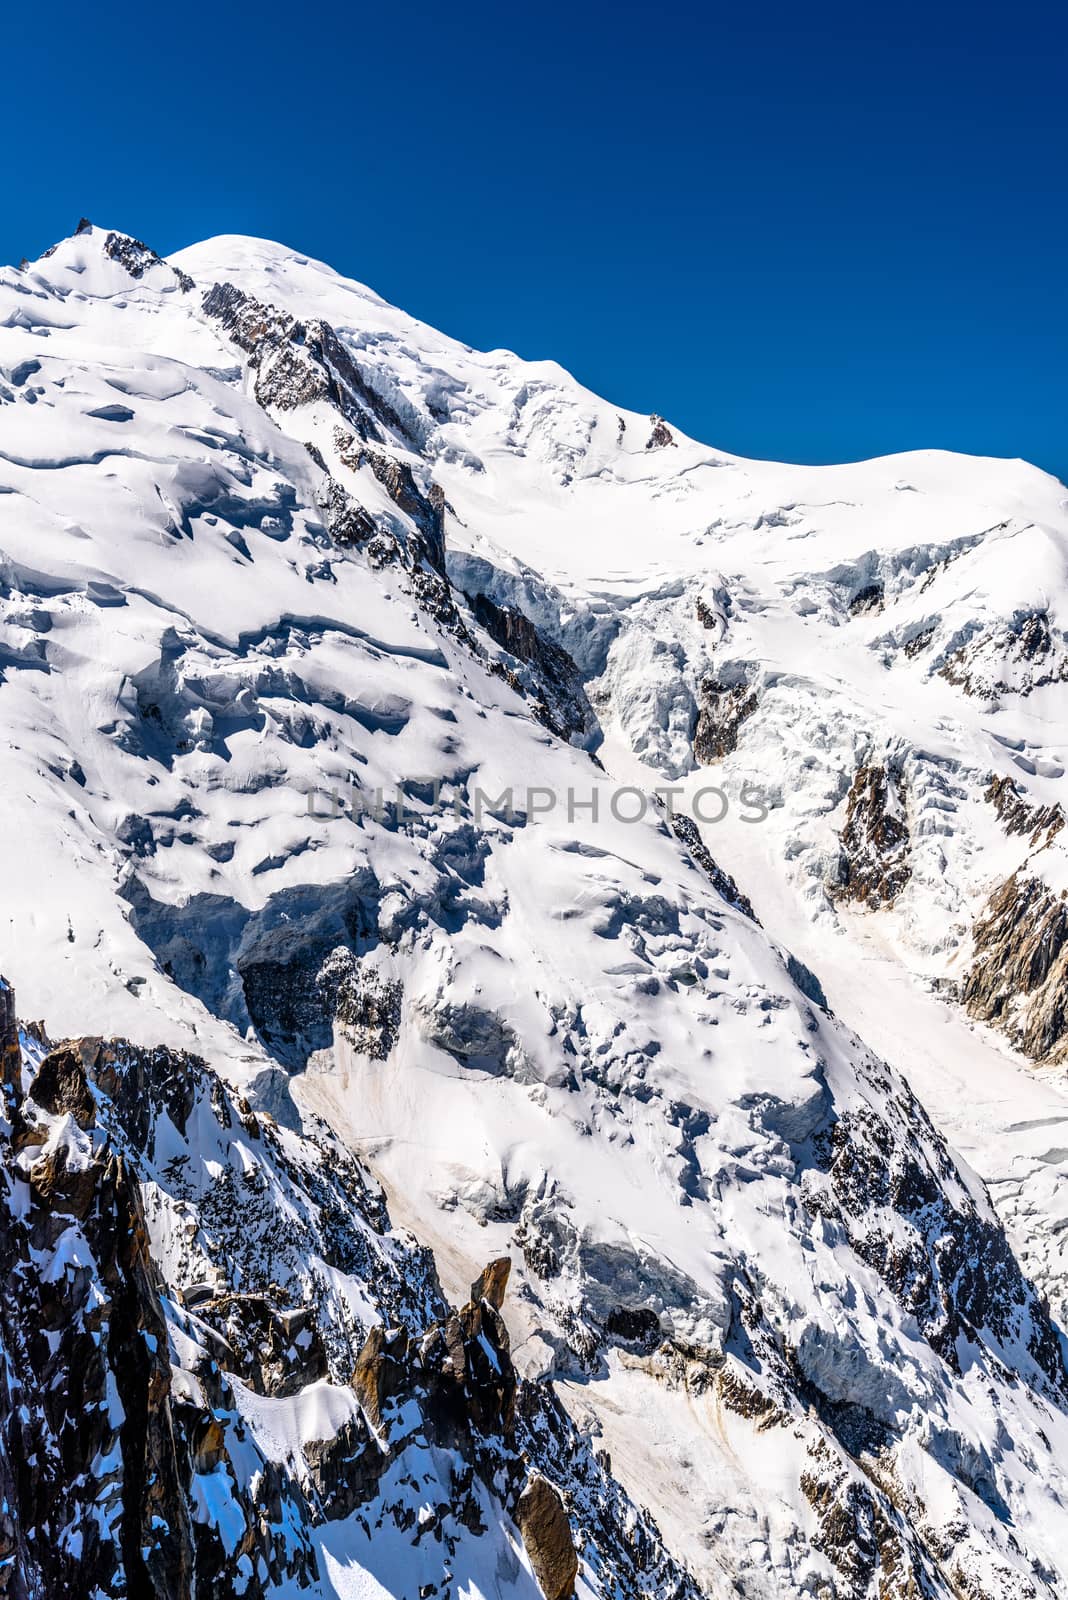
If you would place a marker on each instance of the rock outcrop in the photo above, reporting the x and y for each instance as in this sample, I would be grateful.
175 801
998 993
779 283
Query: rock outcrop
661 434
1019 975
546 1533
541 670
722 710
874 863
131 1339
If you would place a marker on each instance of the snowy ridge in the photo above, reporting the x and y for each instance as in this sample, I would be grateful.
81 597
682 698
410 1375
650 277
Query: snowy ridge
267 540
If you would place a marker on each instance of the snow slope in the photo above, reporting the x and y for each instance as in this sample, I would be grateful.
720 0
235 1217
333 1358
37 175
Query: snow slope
744 1258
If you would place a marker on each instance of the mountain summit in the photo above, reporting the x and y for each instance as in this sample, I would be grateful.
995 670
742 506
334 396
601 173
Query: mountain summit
552 949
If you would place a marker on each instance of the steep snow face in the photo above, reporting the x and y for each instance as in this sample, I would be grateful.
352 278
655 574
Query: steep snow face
270 549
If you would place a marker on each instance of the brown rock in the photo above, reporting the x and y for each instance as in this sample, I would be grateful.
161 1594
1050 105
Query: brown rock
546 1532
61 1085
10 1054
381 1370
874 866
61 1188
492 1282
661 434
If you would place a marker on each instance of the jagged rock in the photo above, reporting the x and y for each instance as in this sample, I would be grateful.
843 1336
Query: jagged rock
546 1531
870 598
367 1006
10 1053
661 434
552 680
297 362
874 863
89 1374
723 709
426 509
1019 976
349 523
345 1470
382 1371
1018 657
276 1350
949 1265
686 830
60 1086
492 1283
1019 817
137 258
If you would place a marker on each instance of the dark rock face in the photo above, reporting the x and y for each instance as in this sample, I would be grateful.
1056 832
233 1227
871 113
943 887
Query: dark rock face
950 1266
870 598
661 436
546 1532
348 523
367 1007
126 1466
543 671
77 1342
1041 823
275 1349
10 1053
1019 977
426 509
723 709
685 829
1019 657
137 257
874 864
298 362
60 1086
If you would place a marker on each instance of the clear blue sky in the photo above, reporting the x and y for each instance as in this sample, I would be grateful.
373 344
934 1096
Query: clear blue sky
812 232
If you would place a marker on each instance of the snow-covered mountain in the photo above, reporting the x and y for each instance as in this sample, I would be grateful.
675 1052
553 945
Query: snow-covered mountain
272 551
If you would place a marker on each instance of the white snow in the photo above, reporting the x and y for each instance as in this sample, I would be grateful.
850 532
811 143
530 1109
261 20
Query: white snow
594 1049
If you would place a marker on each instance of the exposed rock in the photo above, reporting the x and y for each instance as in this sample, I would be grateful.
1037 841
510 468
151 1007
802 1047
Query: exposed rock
10 1053
87 1382
1018 816
300 362
382 1371
276 1350
60 1086
949 1265
344 1470
492 1283
661 434
723 709
367 1006
551 679
870 598
874 863
1020 656
137 257
542 1521
347 521
1019 977
635 1325
425 508
685 829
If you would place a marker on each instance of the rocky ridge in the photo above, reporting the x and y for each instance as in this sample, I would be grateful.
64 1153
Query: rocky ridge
157 1233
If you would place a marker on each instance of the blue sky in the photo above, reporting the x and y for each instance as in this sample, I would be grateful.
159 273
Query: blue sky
814 233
